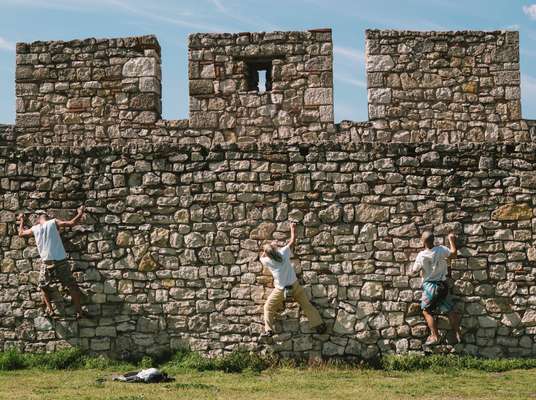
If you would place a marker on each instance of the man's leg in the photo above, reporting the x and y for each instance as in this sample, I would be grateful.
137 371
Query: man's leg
65 276
47 302
312 314
44 283
454 319
430 321
271 307
74 291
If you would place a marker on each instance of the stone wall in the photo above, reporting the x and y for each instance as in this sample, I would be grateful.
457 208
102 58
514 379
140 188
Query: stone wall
177 210
168 253
445 86
86 91
301 95
441 87
7 135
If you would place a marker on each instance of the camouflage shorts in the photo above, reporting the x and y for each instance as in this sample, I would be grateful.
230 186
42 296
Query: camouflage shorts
59 271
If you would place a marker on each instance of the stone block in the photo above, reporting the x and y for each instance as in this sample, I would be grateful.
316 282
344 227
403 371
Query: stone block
141 67
512 212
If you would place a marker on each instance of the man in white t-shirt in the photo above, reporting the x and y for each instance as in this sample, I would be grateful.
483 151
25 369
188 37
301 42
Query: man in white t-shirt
277 260
54 266
432 264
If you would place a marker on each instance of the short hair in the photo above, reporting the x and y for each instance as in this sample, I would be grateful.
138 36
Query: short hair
271 251
428 238
40 213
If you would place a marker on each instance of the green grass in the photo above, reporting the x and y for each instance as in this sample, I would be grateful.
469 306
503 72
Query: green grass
241 375
445 363
240 361
70 358
279 383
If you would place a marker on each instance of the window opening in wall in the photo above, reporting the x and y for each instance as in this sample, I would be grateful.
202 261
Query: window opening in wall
262 81
259 75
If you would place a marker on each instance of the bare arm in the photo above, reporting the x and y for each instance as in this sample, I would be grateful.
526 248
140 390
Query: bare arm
22 231
73 221
452 245
292 239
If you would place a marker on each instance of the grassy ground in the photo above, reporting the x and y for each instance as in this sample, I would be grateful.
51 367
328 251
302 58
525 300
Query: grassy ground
279 383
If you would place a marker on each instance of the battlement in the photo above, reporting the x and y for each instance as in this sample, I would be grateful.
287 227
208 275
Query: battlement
440 87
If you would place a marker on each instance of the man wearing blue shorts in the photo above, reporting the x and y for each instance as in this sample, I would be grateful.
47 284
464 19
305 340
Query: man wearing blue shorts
433 267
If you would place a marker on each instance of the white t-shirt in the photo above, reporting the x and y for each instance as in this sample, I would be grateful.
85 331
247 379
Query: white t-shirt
433 263
283 272
48 240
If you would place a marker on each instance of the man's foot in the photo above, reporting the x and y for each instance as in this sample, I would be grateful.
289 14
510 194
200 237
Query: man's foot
49 313
267 334
82 314
321 329
431 341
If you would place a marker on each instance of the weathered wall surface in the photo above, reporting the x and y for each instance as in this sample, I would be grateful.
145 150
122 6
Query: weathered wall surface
440 87
445 86
86 91
168 254
177 210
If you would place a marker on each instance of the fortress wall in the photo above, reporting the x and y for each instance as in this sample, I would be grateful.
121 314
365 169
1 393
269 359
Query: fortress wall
7 135
439 87
86 91
445 87
301 93
167 255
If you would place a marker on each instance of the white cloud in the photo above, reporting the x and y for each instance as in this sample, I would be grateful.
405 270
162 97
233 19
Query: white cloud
349 53
140 8
351 81
530 11
6 44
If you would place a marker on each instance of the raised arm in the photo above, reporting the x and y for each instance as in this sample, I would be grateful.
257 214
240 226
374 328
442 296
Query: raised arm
73 221
452 245
292 234
23 232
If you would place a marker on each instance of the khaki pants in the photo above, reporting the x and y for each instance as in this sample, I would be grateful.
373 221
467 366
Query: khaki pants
275 302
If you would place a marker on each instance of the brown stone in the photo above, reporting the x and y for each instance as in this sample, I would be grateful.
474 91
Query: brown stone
7 265
371 213
512 212
263 231
147 263
123 239
531 253
498 305
470 87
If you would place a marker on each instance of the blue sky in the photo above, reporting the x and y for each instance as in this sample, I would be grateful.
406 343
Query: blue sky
172 20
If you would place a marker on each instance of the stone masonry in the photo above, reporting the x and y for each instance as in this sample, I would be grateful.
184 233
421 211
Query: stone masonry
177 210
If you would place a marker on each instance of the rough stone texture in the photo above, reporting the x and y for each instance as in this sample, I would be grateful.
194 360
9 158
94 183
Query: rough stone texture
177 210
445 86
168 264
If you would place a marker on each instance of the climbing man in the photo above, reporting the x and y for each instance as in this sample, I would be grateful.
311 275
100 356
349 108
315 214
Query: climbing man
277 260
54 266
432 264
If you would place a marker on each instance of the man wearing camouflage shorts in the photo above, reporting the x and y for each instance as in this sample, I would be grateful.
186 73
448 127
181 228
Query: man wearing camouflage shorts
54 266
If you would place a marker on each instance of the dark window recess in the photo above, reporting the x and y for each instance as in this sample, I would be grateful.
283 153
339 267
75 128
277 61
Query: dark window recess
259 76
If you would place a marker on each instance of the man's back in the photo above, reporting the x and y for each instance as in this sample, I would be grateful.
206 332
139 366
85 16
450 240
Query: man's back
433 263
283 272
48 241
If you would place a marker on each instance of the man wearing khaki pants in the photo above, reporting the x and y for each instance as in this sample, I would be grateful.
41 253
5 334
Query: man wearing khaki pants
277 260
